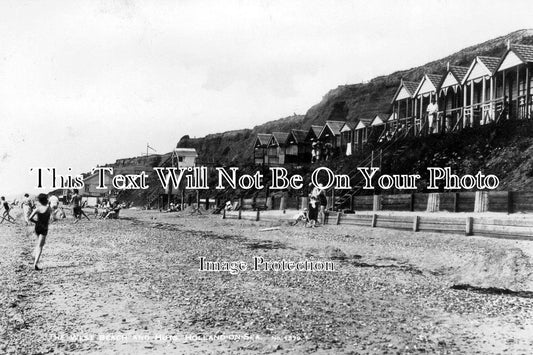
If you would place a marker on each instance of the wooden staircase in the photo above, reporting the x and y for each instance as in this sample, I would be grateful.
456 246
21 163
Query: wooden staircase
356 178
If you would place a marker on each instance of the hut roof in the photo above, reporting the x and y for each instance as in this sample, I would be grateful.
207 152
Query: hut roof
186 152
379 119
409 86
263 139
363 123
298 135
458 72
279 138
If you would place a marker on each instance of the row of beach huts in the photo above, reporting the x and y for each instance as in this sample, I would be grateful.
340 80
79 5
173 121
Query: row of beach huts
489 90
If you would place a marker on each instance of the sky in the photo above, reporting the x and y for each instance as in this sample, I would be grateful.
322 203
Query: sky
84 83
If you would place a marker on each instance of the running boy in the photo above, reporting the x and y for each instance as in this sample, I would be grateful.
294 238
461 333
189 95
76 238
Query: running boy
77 210
6 215
41 217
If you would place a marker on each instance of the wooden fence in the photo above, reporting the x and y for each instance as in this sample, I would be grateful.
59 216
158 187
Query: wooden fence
487 201
492 227
480 201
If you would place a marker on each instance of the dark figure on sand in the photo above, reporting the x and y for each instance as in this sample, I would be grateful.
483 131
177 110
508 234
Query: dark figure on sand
6 216
41 217
77 207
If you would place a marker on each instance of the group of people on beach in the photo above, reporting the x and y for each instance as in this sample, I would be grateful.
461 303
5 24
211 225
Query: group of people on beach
315 213
317 206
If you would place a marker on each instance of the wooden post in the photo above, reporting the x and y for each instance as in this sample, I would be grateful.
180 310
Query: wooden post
517 90
169 195
269 202
469 224
338 221
224 213
183 199
421 117
465 89
433 203
481 201
240 213
527 92
376 203
198 199
374 218
407 108
491 98
472 103
415 113
455 201
503 87
483 99
257 215
510 202
241 203
283 203
416 220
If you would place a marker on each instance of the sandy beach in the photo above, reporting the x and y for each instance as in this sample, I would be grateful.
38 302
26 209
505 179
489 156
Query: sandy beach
134 285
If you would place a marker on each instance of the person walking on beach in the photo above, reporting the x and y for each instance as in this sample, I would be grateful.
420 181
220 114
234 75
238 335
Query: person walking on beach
41 217
313 211
319 194
6 215
76 209
27 208
322 199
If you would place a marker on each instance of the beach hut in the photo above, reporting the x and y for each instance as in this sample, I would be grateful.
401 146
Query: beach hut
347 137
312 134
403 104
312 139
297 150
261 148
451 97
513 81
425 92
186 157
361 131
331 133
478 91
330 137
378 127
276 148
